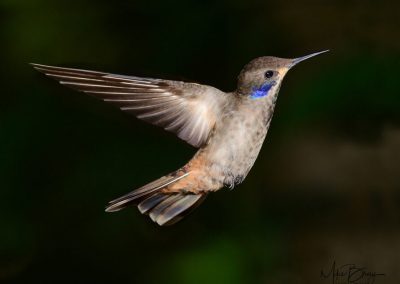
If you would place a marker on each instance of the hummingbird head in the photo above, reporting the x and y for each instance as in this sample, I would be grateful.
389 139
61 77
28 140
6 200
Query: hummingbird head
264 75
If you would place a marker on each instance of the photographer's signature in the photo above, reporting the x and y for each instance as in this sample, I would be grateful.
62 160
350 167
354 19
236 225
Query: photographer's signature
349 273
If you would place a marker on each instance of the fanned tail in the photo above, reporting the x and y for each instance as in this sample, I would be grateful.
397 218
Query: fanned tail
163 208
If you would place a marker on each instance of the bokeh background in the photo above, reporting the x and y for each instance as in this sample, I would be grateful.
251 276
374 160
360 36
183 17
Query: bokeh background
325 187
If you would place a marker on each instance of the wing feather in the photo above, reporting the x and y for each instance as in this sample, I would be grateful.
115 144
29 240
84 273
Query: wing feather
190 110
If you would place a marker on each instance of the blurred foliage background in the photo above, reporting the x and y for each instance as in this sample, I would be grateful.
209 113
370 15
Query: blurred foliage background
325 186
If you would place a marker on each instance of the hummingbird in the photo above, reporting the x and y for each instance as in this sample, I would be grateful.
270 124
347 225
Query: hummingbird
228 128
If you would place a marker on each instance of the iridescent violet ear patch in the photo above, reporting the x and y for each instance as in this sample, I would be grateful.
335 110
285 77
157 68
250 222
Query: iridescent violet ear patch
262 91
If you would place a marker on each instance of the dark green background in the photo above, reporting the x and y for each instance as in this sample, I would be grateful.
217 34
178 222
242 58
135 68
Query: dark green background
325 186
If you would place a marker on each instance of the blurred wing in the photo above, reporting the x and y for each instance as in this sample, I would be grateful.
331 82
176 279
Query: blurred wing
190 110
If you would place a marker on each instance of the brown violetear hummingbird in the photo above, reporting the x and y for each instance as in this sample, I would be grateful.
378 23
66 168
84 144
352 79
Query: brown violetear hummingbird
228 128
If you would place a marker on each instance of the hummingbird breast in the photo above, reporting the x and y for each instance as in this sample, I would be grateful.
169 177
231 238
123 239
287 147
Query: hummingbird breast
235 143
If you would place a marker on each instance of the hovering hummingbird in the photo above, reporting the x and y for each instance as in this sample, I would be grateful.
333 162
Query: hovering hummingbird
228 128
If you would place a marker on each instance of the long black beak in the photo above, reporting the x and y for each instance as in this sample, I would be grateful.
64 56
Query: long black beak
299 59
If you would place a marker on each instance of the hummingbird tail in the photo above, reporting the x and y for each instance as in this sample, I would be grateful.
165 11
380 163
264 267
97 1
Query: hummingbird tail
164 208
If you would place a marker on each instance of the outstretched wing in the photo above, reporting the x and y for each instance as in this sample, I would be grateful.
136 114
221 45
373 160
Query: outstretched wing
190 110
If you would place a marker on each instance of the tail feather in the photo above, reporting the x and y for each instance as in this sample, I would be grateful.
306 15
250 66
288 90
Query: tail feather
163 208
138 194
151 202
172 214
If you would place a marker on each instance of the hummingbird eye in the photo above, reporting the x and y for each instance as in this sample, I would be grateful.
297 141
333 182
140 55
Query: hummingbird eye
268 74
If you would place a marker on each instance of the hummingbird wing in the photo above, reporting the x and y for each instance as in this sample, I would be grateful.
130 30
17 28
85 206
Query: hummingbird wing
188 109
